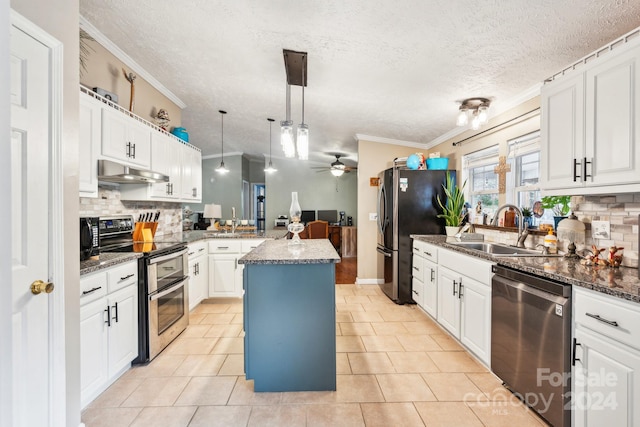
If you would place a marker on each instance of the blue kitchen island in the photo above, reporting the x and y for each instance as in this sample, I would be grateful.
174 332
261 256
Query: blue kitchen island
290 316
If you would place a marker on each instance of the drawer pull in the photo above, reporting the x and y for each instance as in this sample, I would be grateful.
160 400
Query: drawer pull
223 247
91 290
201 249
427 253
416 268
608 322
128 276
191 253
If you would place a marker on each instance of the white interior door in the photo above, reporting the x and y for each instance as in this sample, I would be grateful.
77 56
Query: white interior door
30 208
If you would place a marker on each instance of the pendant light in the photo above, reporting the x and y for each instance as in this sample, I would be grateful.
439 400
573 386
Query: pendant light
303 130
286 129
222 169
270 168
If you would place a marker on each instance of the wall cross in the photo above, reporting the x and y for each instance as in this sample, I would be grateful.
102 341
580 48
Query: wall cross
501 170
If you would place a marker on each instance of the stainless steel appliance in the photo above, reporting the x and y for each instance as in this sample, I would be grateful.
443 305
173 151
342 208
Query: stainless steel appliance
531 341
406 205
163 291
89 237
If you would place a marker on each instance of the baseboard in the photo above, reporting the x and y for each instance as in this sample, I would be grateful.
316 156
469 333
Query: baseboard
360 281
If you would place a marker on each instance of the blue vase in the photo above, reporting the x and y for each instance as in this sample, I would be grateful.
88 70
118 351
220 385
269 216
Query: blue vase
556 220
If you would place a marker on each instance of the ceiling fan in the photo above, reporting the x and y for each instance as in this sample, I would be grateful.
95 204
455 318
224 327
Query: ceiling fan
336 168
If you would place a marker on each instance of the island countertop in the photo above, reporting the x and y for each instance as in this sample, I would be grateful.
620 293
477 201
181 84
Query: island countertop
311 251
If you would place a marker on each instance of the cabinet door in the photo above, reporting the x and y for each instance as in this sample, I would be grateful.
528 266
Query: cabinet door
562 132
606 382
417 291
198 280
222 275
161 158
448 300
90 128
430 290
475 318
187 189
123 332
93 350
125 139
612 117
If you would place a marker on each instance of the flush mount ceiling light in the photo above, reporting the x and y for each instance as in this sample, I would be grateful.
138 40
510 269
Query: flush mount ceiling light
222 169
295 64
474 110
270 168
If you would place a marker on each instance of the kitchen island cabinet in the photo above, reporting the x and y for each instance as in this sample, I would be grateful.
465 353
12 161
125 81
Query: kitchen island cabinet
289 316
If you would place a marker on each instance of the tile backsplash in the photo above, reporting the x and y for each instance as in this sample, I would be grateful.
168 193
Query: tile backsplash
108 203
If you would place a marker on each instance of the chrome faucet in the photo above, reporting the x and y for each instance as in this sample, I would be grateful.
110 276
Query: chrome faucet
234 220
522 232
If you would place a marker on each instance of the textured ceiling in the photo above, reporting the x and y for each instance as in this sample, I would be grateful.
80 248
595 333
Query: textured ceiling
391 69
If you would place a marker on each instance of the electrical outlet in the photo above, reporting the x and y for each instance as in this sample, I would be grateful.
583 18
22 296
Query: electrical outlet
601 229
373 216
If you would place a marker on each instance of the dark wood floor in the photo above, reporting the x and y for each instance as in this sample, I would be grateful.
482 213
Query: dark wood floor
346 271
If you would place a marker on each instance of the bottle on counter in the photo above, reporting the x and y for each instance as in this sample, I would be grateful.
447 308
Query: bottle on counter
551 243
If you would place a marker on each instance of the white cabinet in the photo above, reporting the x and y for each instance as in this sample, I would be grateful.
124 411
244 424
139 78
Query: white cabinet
191 184
125 138
165 156
89 133
589 124
425 276
225 273
430 290
108 327
606 377
198 273
464 300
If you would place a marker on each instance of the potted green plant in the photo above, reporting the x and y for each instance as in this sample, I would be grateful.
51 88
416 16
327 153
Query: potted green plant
526 217
559 205
452 208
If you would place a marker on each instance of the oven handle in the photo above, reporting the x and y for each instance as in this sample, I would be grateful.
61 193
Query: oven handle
160 294
169 256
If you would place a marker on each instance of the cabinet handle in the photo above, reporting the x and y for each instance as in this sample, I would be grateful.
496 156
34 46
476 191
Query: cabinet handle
108 310
415 292
236 262
433 275
201 249
223 247
416 268
575 170
584 168
460 290
191 253
126 277
455 287
195 192
427 253
608 322
574 358
197 269
115 307
133 150
127 151
168 189
91 290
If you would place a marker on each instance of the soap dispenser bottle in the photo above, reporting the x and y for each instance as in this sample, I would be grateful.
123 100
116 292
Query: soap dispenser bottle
551 243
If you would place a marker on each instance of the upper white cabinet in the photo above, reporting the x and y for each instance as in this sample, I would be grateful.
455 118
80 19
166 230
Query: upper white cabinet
165 156
125 139
191 173
90 126
589 123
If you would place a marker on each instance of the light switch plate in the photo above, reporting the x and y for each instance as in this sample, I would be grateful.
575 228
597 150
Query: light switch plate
373 216
600 229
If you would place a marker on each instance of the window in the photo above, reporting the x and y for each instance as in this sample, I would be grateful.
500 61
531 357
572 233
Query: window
522 182
482 181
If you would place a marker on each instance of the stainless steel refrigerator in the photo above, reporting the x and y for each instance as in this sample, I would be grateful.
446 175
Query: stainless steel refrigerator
406 205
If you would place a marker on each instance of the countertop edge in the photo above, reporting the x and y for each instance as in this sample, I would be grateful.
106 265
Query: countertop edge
106 260
517 263
281 252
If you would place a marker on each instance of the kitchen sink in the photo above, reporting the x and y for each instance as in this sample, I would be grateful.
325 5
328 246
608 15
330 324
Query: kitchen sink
498 249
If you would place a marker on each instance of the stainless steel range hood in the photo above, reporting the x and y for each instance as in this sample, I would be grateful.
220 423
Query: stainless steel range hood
109 171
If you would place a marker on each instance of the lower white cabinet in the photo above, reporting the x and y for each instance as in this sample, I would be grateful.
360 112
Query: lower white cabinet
425 276
108 327
606 377
198 273
430 290
225 273
464 303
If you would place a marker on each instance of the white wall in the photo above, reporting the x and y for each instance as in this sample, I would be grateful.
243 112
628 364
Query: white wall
60 19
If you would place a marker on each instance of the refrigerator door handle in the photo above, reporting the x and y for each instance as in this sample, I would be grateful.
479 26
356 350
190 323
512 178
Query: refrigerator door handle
383 252
380 212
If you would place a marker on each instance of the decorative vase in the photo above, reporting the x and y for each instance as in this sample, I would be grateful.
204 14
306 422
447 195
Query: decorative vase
451 230
295 227
556 220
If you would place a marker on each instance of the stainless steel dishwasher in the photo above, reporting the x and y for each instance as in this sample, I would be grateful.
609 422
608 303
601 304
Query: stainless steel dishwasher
531 341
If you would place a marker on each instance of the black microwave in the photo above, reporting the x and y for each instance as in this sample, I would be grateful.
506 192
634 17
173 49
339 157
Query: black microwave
89 237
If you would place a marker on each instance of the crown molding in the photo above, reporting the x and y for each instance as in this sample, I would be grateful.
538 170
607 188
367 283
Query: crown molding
381 140
128 61
217 156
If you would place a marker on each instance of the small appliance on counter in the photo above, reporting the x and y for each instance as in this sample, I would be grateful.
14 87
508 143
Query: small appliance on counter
89 237
281 221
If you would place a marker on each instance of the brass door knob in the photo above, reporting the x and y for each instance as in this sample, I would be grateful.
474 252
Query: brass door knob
39 286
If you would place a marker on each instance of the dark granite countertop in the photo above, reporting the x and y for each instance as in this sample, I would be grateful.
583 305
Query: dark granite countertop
106 260
620 282
311 251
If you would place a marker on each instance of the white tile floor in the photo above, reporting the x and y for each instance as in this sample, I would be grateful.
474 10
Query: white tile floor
396 367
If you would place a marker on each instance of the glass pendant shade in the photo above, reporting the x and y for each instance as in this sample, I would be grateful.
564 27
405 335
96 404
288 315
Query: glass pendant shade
337 172
475 122
222 168
303 141
462 118
286 138
270 168
483 115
